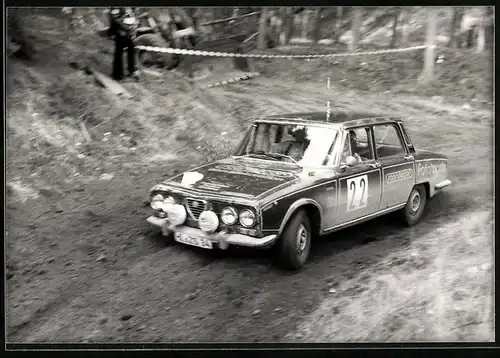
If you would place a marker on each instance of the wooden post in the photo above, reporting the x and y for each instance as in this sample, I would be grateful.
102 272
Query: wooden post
427 74
261 42
357 17
328 102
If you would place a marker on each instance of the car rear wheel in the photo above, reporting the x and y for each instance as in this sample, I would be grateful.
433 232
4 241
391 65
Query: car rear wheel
295 243
415 206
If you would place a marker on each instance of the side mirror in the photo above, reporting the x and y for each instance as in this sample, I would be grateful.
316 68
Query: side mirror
350 161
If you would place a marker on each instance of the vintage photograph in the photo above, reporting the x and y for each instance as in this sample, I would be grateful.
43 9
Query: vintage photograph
249 174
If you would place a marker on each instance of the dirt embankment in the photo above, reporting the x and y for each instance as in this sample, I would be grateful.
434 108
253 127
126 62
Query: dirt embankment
83 265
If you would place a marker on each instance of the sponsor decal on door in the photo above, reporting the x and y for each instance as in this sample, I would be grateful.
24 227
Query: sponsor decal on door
398 176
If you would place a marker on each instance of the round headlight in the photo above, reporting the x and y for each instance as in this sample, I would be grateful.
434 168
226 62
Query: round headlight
247 218
157 201
229 215
176 213
168 200
208 221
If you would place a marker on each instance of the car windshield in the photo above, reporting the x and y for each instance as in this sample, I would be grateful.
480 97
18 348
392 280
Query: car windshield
303 145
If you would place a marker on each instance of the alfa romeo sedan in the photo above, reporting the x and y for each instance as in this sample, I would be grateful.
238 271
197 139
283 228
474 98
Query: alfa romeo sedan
296 176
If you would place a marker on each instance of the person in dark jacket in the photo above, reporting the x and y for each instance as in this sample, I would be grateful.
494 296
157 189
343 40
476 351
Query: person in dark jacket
123 28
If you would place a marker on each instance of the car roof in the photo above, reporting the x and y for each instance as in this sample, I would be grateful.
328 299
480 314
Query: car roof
346 119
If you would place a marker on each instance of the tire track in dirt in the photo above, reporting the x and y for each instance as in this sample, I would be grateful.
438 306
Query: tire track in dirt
99 290
82 229
413 294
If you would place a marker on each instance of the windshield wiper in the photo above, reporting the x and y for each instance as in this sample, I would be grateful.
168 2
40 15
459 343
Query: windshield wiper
279 155
265 155
273 156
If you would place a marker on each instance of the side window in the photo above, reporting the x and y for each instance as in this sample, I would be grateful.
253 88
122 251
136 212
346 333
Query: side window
388 141
407 138
357 144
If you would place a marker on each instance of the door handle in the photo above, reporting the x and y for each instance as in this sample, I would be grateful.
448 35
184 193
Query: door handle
409 157
374 165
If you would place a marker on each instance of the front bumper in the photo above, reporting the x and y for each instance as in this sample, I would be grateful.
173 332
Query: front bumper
221 239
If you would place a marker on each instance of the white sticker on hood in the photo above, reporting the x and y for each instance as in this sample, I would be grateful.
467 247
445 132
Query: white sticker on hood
190 178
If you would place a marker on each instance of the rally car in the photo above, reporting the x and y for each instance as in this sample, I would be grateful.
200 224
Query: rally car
296 176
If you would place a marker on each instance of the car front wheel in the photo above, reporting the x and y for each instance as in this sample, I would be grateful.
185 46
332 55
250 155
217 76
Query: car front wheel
415 206
295 242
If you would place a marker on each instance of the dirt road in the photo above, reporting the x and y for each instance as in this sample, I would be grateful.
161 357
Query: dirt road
85 266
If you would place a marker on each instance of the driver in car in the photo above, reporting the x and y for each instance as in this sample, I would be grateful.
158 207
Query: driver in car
296 147
353 139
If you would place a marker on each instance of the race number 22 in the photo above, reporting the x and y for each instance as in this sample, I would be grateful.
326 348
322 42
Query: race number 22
357 193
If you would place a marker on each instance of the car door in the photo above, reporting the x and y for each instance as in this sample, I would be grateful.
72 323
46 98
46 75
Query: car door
359 184
398 172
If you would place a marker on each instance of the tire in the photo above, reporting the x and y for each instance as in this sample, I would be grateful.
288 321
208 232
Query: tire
167 61
415 206
167 239
289 254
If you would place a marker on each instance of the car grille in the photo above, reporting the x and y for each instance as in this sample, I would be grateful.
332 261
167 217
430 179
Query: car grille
195 207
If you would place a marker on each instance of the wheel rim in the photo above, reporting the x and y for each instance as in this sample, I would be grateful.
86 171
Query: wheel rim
415 201
301 242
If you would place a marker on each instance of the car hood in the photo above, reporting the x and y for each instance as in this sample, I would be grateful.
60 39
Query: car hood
237 177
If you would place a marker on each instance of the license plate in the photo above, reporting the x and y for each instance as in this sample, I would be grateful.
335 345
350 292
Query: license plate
193 241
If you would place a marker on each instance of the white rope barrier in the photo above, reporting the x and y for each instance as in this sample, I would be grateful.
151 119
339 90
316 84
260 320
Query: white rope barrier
179 51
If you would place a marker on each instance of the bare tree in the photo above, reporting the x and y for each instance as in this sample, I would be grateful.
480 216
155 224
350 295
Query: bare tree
427 74
357 17
17 34
394 38
405 26
289 25
456 20
490 27
261 42
305 19
481 38
317 25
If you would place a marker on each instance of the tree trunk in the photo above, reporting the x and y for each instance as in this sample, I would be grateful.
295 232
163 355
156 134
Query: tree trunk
394 37
305 19
489 27
405 26
357 17
456 20
427 74
317 25
480 37
261 42
218 13
17 35
289 25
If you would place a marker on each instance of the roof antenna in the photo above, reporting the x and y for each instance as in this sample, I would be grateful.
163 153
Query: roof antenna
328 102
